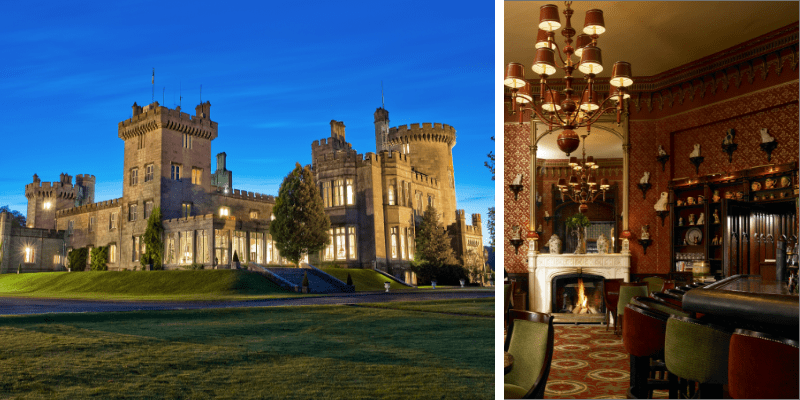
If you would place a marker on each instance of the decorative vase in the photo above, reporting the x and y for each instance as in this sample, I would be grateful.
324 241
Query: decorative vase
580 233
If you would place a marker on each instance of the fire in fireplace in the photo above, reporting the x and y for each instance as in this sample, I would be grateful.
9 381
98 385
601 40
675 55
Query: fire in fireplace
578 294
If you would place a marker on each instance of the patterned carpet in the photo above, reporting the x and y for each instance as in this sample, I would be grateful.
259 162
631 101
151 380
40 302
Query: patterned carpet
588 363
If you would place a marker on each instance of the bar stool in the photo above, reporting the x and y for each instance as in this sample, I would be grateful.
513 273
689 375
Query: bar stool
655 305
627 291
698 352
677 292
762 366
643 334
654 283
668 298
611 297
669 284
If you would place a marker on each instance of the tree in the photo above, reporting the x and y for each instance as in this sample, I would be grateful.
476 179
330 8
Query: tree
473 264
77 259
99 259
16 216
153 247
432 243
490 220
300 225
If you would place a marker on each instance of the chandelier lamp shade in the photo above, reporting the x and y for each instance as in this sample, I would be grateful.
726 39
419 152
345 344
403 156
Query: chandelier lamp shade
582 185
568 108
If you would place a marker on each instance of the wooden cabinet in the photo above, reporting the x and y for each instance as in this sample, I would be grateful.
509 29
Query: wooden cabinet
743 216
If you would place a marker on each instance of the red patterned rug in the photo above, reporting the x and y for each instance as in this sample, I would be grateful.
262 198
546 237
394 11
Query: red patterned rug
588 363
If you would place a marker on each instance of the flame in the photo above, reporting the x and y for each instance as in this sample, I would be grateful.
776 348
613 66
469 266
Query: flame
582 299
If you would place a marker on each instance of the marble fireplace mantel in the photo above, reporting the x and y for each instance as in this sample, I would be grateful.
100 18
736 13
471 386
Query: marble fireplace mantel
542 268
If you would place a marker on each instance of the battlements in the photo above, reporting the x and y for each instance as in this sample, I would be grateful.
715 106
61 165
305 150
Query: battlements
189 219
61 189
245 195
337 129
153 116
429 132
333 142
102 205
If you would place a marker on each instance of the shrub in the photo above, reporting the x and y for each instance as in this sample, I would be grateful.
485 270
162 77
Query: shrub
77 258
349 279
305 279
445 274
99 258
195 266
235 256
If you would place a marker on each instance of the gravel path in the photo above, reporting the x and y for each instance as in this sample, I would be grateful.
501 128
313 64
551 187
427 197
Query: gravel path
19 306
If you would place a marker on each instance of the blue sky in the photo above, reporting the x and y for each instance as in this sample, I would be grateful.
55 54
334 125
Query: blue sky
276 74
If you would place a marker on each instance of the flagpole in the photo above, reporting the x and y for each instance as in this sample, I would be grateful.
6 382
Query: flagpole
153 84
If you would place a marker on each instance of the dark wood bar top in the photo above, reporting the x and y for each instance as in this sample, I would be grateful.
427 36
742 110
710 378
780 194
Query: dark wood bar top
746 298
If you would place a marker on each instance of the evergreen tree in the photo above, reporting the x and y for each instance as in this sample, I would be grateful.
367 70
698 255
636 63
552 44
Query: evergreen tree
490 220
300 225
99 258
432 242
154 248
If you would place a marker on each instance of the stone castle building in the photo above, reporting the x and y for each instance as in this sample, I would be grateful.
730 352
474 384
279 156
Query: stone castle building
373 200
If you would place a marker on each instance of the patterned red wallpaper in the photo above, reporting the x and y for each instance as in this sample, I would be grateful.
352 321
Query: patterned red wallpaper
517 161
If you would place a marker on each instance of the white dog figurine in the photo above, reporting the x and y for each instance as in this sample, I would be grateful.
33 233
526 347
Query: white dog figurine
645 178
517 180
645 232
729 137
661 204
661 151
765 136
702 219
696 151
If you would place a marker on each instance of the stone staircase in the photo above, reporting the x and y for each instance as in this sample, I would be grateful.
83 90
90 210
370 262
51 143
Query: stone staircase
292 279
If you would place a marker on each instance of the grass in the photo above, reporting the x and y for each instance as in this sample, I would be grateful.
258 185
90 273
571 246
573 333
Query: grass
327 352
477 307
365 280
142 285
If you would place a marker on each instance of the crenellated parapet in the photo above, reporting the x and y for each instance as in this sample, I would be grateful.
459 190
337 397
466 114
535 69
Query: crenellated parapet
93 207
204 217
153 117
422 179
245 195
428 132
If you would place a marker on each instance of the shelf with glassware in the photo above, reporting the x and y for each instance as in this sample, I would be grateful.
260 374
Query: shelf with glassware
707 237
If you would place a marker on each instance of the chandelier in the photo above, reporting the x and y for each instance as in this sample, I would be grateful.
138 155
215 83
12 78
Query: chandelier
582 186
569 108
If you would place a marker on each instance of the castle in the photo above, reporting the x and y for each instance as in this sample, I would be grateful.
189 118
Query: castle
374 200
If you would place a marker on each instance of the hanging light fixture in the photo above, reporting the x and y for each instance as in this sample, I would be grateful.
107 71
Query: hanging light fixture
568 109
582 186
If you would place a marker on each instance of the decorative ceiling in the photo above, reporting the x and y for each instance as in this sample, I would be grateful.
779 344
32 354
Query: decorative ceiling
654 36
599 144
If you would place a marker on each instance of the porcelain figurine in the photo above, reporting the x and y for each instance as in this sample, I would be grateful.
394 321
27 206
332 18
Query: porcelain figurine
701 199
691 219
661 151
729 137
626 246
517 180
739 195
696 151
555 244
765 136
661 204
679 202
645 232
546 214
728 195
515 232
645 178
770 183
690 201
716 216
540 228
680 221
701 219
715 198
602 244
538 198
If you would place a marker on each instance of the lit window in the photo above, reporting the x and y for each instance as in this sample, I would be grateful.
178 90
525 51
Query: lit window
239 245
403 244
176 172
272 217
351 240
134 176
47 205
327 198
187 141
136 248
224 211
112 221
132 212
391 194
202 246
256 246
338 192
57 259
91 224
220 246
350 194
340 244
186 209
112 253
329 248
410 235
197 174
394 242
187 253
148 172
29 255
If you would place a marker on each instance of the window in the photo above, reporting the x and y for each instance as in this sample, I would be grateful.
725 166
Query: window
140 145
202 246
169 248
187 248
224 211
400 194
57 259
70 226
29 255
176 172
220 246
410 235
187 141
419 202
112 221
239 245
430 201
329 250
350 194
186 209
132 212
148 209
112 252
253 214
268 247
408 195
394 242
391 194
340 244
135 249
91 224
197 174
327 198
134 176
351 241
338 192
256 245
403 244
148 172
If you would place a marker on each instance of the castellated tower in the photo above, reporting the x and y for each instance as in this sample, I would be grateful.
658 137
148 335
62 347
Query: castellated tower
381 130
47 198
430 151
167 162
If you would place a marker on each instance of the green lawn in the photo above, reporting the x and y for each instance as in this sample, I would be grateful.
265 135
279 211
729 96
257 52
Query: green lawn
142 285
283 352
479 307
365 280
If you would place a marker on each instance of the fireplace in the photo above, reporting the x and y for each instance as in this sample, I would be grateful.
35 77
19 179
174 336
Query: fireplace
578 294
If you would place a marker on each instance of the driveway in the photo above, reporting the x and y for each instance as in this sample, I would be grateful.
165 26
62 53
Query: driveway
19 306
